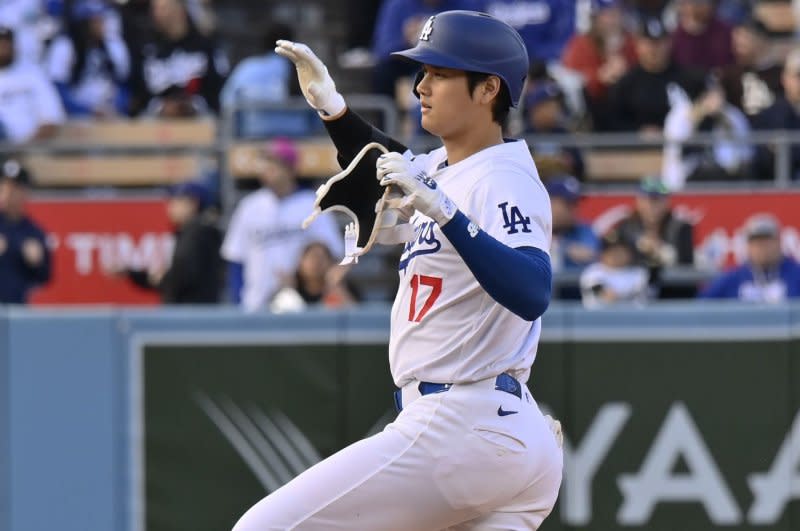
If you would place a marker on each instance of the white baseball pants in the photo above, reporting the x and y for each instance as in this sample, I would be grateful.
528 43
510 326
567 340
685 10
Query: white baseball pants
449 461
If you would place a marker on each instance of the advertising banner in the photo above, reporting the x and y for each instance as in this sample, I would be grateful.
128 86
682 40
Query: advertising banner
91 238
718 219
649 444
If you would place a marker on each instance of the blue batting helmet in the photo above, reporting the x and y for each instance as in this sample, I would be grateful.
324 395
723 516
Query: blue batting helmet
475 42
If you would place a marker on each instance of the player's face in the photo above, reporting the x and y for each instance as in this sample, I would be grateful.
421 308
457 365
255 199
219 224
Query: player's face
448 109
764 251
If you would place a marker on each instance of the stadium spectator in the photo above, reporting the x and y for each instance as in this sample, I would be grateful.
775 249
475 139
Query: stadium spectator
25 260
265 238
319 281
754 81
26 17
701 39
194 275
545 25
767 275
180 72
90 64
264 77
30 108
784 113
575 245
659 237
728 158
615 278
602 56
639 100
398 27
546 114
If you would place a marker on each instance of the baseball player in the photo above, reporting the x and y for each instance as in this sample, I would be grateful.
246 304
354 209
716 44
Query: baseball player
470 448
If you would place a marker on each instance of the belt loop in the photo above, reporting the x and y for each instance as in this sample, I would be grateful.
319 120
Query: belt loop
509 384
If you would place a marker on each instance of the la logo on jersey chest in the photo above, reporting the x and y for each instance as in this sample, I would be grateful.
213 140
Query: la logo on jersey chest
425 242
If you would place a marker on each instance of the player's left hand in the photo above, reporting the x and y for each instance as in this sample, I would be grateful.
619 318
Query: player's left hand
419 189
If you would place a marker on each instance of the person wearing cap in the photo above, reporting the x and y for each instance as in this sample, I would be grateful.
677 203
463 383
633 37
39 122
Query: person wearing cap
194 275
602 55
753 82
546 114
784 114
660 238
639 101
615 277
90 63
575 244
701 40
264 239
474 279
767 275
25 261
31 108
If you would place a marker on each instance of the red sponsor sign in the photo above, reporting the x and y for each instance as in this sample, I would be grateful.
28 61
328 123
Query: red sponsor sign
91 237
718 219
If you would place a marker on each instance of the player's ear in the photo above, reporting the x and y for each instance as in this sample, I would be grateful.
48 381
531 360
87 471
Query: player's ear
490 89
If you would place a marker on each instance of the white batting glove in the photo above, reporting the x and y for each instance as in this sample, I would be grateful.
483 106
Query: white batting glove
395 227
419 189
315 81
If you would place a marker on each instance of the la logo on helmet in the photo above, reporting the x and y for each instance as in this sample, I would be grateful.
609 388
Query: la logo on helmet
427 30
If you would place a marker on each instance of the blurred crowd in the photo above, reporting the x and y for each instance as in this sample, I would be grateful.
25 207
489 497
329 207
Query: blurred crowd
654 68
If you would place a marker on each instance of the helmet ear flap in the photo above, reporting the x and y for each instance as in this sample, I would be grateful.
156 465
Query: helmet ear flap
417 80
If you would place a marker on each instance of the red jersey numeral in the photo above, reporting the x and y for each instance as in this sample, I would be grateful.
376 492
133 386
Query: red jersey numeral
435 283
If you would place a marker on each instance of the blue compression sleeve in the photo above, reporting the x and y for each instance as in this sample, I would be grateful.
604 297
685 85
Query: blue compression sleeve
235 281
519 279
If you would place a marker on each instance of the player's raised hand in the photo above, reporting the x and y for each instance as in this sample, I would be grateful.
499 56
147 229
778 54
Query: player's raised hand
419 189
315 82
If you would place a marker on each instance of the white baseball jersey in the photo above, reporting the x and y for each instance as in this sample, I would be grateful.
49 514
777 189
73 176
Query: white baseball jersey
445 327
265 235
27 100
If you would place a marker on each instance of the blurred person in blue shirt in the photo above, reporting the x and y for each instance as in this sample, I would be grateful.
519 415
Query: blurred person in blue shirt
545 25
575 245
264 77
24 257
397 27
768 275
